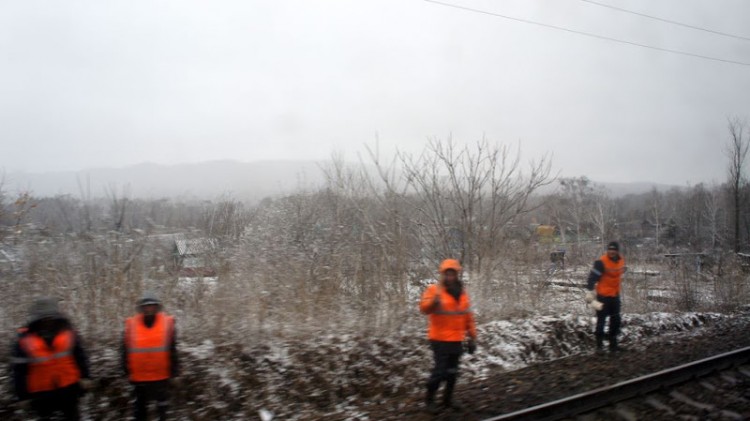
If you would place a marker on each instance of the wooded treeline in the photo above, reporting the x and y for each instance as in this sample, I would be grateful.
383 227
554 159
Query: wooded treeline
361 244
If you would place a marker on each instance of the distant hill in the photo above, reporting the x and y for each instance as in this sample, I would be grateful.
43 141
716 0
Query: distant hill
205 180
624 189
250 181
618 189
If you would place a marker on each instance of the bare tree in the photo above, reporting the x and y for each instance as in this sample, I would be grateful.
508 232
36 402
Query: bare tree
603 215
739 144
85 190
467 196
23 204
118 206
576 197
225 219
712 213
2 202
555 211
656 206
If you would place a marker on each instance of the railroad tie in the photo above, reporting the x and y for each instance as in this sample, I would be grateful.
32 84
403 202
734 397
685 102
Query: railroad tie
625 413
725 413
708 386
659 405
729 378
686 400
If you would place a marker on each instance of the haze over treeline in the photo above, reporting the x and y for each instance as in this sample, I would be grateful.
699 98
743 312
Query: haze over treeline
246 181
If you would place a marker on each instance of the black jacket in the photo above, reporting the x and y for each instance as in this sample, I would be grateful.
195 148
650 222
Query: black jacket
20 368
596 274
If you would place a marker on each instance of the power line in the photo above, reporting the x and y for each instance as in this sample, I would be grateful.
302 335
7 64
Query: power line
588 34
673 22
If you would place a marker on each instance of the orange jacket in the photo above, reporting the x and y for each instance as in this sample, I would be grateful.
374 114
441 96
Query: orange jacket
148 349
449 320
50 367
609 283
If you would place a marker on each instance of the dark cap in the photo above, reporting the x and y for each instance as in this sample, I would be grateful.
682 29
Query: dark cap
44 308
149 298
614 245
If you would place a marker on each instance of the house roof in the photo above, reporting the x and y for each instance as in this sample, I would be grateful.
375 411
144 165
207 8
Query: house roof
194 246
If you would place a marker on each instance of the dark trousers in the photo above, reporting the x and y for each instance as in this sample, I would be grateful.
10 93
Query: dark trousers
146 392
611 309
447 356
61 401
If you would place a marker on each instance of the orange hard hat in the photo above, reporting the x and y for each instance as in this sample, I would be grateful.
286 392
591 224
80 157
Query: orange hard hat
449 264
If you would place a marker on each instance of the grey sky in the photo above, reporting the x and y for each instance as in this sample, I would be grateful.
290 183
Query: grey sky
105 83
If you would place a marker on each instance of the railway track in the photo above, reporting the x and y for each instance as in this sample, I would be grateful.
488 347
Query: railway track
608 396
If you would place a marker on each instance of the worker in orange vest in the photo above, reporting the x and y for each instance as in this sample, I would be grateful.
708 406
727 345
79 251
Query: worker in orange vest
50 367
149 356
603 294
450 319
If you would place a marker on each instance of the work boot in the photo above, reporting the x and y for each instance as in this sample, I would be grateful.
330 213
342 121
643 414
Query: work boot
599 344
430 405
448 402
613 346
453 405
162 410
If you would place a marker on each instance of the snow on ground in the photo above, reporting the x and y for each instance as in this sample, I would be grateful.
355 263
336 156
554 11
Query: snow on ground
509 345
329 374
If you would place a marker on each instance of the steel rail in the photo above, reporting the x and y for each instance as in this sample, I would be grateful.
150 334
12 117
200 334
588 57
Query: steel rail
608 395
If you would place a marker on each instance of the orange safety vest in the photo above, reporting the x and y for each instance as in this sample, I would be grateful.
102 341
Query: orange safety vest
50 367
148 348
451 319
609 283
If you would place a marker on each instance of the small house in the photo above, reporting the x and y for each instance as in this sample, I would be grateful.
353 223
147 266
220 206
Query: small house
193 257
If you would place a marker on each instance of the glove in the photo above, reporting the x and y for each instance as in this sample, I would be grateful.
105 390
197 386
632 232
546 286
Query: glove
86 384
596 305
590 296
471 346
175 382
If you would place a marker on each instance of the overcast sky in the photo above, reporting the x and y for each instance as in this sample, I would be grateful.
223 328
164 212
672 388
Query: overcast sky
115 83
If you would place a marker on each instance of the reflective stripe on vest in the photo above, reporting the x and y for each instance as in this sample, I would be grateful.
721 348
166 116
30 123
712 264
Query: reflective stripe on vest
55 356
442 312
147 350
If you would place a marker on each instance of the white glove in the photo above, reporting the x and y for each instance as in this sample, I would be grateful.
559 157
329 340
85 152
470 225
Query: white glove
590 296
596 305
